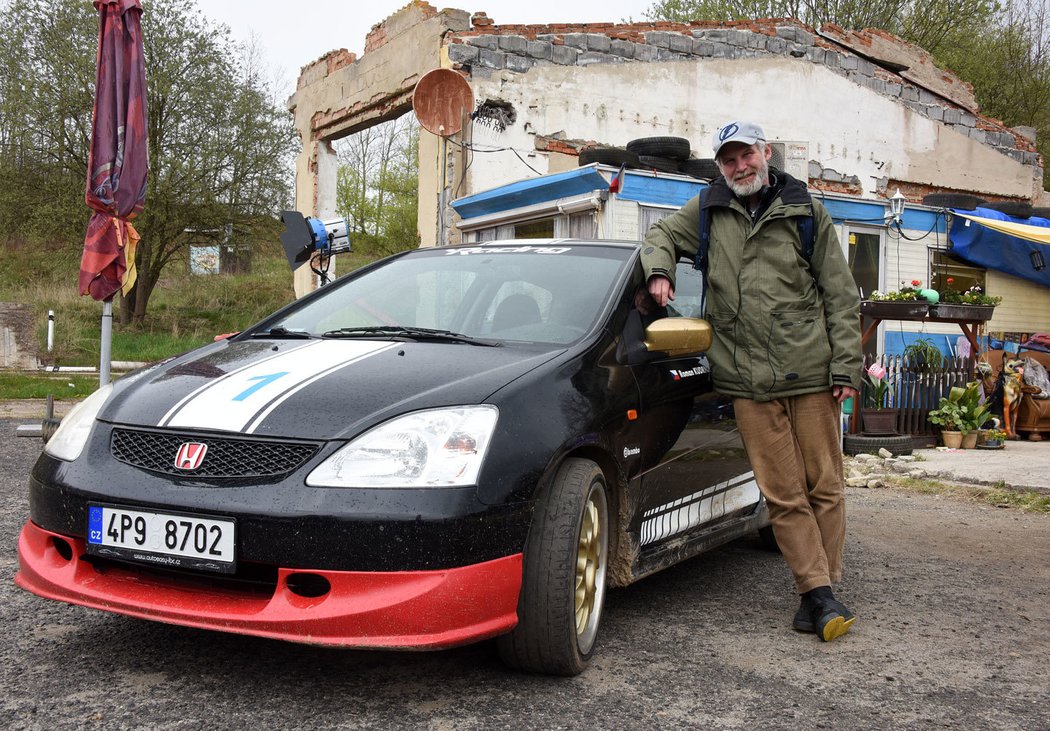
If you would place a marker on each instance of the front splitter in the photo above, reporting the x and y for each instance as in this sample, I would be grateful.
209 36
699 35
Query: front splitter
410 609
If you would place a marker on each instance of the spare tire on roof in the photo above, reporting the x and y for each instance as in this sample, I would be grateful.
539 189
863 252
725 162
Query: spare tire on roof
676 148
964 201
1041 212
608 156
1017 209
663 164
704 168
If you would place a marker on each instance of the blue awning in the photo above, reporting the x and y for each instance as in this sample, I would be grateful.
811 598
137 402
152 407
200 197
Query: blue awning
531 191
984 246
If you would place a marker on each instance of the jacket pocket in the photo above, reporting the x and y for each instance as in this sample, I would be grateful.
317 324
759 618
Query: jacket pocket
799 350
720 356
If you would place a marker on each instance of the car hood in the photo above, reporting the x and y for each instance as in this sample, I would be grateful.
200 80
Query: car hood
313 389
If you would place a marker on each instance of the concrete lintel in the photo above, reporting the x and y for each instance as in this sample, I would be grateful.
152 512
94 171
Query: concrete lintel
910 61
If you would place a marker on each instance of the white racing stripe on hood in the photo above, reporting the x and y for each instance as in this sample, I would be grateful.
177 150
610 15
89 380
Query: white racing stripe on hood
241 399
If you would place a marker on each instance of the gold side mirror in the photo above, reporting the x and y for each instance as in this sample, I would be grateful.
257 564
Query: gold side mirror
678 336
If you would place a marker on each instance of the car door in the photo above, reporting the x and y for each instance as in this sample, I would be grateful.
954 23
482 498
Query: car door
695 472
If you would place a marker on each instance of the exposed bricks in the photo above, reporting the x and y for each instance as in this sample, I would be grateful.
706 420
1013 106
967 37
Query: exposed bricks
375 38
565 147
915 192
828 186
338 59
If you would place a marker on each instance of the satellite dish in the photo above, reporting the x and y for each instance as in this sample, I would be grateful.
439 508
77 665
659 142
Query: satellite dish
441 99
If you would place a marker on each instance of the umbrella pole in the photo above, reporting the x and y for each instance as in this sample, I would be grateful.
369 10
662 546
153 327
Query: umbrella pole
107 341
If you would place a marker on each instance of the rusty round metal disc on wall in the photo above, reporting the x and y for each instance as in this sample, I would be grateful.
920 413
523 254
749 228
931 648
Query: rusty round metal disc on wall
441 100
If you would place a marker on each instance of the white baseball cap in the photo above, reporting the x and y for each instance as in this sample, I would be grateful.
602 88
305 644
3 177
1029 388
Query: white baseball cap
739 131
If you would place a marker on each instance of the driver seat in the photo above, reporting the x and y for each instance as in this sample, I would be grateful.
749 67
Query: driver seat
515 311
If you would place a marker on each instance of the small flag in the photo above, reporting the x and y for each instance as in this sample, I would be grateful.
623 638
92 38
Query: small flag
616 184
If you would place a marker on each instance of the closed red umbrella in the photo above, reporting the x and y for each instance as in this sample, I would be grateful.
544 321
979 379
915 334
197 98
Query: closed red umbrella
118 160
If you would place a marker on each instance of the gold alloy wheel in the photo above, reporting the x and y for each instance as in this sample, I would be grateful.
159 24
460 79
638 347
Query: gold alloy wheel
591 557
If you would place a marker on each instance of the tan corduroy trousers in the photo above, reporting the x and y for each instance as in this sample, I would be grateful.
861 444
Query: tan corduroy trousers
793 445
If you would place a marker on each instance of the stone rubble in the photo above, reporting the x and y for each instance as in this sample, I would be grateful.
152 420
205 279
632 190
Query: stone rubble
873 471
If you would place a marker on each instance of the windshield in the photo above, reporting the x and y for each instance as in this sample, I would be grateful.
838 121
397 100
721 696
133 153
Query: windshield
526 293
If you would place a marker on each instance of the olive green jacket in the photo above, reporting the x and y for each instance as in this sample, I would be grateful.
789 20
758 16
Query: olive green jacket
782 327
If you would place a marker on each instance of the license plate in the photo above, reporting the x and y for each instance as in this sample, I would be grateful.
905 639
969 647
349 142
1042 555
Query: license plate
162 539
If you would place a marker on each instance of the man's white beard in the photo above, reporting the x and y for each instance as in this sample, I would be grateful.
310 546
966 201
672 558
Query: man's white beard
754 185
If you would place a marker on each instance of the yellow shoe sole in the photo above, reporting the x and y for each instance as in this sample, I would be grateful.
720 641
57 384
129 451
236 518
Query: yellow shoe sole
836 627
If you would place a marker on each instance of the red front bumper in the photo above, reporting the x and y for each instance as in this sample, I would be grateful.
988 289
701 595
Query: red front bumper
409 609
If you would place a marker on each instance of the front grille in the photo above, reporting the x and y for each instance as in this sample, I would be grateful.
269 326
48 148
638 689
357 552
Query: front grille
225 457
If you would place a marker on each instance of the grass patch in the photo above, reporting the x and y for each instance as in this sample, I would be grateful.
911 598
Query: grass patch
32 385
998 495
185 311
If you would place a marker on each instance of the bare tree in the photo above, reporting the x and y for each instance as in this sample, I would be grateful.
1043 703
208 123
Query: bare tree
377 183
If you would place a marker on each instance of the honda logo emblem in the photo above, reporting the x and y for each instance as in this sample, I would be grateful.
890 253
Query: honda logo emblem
190 455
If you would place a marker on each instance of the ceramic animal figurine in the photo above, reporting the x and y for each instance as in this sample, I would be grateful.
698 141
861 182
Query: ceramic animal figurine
1013 383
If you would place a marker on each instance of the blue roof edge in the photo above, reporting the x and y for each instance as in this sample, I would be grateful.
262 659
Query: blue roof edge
653 189
531 191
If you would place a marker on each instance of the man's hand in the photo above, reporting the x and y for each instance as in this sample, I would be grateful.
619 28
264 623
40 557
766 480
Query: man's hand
841 393
661 290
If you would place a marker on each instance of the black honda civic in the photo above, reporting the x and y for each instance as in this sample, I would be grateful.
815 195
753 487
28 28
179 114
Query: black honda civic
448 445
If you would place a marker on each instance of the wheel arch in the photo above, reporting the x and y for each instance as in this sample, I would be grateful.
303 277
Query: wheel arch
621 552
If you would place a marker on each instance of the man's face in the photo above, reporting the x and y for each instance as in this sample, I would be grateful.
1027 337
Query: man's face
745 167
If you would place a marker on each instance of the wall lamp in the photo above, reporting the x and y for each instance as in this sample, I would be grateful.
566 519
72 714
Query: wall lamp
1037 261
897 206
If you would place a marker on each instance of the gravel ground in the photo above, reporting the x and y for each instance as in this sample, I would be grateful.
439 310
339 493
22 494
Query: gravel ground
953 600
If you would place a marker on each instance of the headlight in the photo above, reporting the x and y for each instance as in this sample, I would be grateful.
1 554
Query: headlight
440 447
71 436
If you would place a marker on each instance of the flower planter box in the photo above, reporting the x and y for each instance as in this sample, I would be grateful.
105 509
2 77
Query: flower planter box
877 422
890 310
961 313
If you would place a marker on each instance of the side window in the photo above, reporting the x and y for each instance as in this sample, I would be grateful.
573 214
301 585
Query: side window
648 215
687 292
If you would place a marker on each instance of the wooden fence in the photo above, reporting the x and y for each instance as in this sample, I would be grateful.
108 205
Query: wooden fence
916 388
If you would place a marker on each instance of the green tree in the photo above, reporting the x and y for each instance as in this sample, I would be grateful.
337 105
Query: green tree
1008 64
926 23
377 186
46 91
220 145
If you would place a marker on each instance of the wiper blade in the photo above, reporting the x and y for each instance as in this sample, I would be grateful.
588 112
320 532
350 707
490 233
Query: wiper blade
410 333
282 332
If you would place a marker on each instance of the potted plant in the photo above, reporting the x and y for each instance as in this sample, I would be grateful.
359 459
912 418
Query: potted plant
922 355
972 305
906 303
947 416
991 439
962 411
876 418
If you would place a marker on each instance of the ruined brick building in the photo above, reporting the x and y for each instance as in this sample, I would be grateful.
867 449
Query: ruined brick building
857 114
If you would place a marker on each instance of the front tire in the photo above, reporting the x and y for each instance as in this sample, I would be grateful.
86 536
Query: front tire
564 576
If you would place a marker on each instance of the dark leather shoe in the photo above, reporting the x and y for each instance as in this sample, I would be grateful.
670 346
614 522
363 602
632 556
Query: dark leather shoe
803 621
828 617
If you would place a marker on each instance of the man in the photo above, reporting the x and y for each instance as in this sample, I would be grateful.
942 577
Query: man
786 348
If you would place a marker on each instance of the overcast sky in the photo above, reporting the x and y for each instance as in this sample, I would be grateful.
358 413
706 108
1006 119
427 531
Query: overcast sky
295 33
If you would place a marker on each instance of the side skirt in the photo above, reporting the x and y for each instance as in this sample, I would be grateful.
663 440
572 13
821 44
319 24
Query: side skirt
662 555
